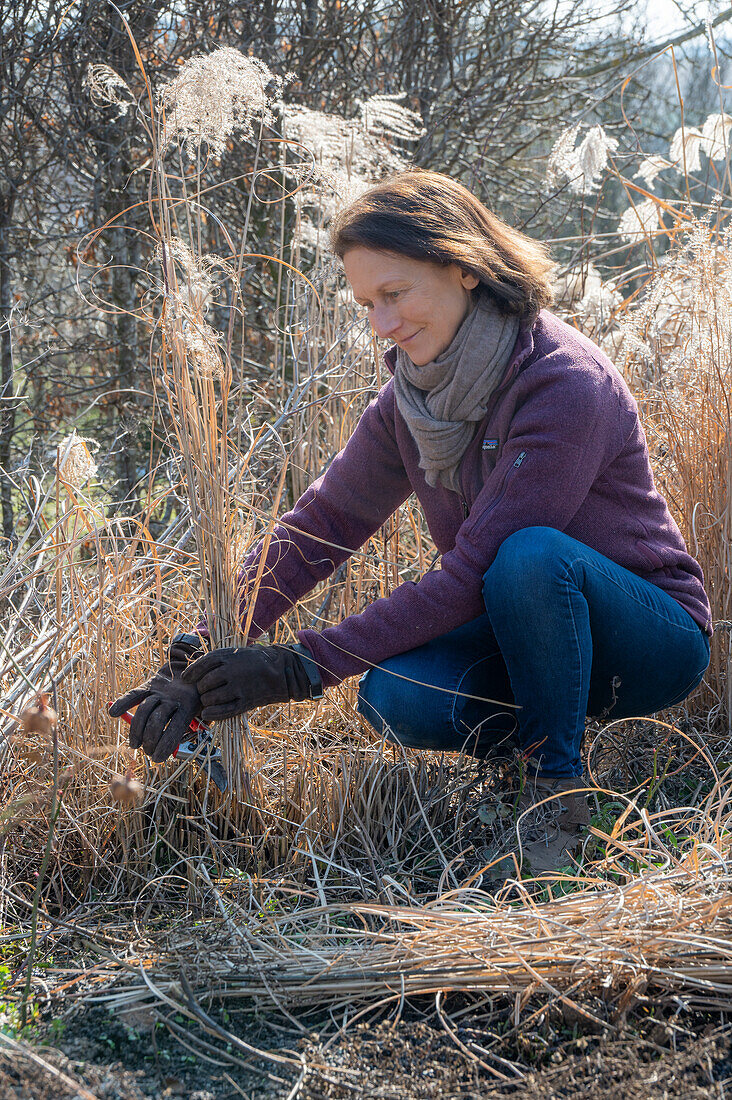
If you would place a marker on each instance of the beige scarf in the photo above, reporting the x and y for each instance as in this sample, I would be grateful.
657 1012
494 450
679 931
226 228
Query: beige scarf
443 400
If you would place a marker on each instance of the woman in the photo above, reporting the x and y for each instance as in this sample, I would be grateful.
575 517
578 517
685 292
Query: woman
565 587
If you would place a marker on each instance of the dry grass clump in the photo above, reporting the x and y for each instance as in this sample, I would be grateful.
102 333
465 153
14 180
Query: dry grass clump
667 934
679 359
648 923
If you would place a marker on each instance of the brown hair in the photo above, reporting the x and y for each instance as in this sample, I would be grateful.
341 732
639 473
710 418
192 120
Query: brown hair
428 216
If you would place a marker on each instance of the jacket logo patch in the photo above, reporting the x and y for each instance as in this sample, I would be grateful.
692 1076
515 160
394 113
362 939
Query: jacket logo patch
520 458
490 444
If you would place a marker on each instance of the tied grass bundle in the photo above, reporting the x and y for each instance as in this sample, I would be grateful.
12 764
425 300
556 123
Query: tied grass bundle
210 99
197 375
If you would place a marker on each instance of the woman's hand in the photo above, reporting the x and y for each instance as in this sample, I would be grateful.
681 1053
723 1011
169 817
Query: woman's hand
184 649
166 707
233 681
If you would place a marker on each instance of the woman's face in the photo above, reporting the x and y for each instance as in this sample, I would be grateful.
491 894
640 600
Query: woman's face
417 304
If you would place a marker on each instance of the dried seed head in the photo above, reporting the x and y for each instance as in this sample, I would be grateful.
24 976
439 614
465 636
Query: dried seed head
581 165
106 88
686 145
387 116
39 717
592 156
651 168
562 162
569 287
639 221
349 156
75 463
716 136
189 277
345 145
587 299
598 303
216 94
126 790
194 340
332 139
683 321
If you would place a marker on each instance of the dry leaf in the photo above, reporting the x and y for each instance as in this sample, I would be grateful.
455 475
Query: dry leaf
39 717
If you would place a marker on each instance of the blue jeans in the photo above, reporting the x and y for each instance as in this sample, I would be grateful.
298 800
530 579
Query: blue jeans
567 633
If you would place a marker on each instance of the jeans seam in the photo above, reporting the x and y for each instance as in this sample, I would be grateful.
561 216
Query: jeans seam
694 682
448 719
598 569
576 721
692 629
688 690
457 692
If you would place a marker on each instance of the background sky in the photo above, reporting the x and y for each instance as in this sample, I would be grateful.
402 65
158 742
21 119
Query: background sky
664 16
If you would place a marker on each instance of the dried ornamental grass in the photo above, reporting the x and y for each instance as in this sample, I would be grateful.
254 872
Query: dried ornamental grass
125 789
664 935
106 88
75 463
583 165
216 94
679 343
348 156
320 799
640 221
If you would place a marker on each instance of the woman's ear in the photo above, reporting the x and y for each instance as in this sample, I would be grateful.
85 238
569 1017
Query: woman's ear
469 280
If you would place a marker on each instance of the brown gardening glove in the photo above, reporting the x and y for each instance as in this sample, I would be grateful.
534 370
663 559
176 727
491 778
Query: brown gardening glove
235 680
165 705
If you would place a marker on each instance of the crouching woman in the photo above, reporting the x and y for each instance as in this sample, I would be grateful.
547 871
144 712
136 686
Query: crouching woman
565 588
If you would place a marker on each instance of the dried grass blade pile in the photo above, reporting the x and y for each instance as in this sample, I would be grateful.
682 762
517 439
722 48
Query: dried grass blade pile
666 934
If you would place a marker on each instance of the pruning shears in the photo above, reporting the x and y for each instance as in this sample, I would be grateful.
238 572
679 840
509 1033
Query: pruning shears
198 747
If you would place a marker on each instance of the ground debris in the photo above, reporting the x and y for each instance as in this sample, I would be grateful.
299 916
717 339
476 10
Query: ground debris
419 1062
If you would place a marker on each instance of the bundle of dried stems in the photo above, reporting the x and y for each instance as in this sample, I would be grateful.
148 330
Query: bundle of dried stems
665 933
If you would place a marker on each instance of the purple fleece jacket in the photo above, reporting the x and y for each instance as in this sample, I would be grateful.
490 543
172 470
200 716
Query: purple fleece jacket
561 446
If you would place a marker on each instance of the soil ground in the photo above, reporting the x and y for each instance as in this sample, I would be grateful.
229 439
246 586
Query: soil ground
101 1057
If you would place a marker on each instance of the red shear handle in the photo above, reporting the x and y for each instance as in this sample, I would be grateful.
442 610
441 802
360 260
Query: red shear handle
195 726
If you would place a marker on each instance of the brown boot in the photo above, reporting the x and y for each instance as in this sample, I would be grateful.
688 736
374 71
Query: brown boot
552 817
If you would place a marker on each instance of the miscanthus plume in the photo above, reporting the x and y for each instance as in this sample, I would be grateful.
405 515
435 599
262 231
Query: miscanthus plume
593 304
581 166
365 146
201 343
190 278
584 296
716 135
712 139
106 88
387 117
639 222
74 462
342 157
215 95
684 316
190 288
650 169
686 147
